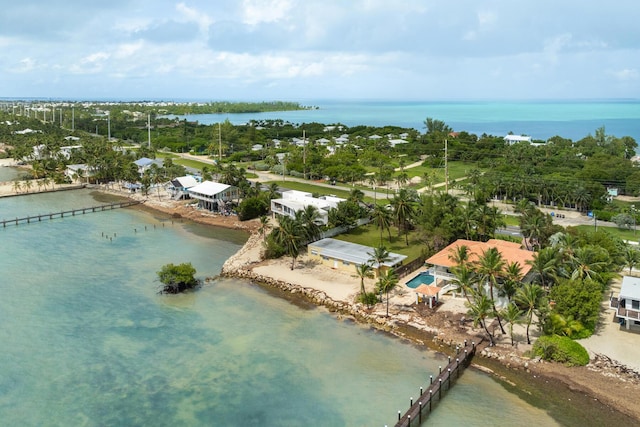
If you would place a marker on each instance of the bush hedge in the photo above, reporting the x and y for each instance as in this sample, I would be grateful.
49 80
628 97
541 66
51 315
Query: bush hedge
561 349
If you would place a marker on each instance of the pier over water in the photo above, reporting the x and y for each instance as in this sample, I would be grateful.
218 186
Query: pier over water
423 405
72 212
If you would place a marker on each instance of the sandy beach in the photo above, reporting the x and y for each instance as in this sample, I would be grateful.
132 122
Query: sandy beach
611 378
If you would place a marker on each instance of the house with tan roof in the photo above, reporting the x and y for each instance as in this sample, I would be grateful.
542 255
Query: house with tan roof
511 252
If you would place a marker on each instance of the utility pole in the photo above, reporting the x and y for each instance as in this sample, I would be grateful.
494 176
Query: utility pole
149 130
304 154
446 167
219 143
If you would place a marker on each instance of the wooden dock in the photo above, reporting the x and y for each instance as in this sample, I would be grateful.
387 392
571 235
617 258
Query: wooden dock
423 405
72 212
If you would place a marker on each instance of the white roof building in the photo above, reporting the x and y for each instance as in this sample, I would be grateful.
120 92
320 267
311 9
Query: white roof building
293 201
627 305
514 139
213 195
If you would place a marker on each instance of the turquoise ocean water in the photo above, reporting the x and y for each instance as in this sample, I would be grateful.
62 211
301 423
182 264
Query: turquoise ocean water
86 340
539 119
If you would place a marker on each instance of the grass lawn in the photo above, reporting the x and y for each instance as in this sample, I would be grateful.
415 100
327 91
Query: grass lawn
614 231
369 235
310 188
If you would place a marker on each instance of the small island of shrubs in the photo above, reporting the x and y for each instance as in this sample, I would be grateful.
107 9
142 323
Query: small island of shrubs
177 278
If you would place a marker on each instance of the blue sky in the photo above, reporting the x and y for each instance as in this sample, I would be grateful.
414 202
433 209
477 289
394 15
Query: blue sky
320 49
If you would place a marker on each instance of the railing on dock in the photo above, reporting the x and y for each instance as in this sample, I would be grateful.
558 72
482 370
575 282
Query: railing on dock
423 405
72 212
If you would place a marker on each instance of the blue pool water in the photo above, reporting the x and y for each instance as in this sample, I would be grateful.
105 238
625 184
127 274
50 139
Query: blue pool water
422 278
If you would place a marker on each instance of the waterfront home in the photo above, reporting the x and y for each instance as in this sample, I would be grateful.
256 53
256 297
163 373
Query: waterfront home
79 172
511 252
293 201
214 196
145 163
627 305
341 255
178 187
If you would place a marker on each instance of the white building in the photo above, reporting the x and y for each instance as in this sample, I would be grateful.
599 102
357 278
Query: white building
293 201
514 139
178 187
213 196
627 305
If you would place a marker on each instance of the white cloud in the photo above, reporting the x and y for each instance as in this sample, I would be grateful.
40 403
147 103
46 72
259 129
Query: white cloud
626 74
258 11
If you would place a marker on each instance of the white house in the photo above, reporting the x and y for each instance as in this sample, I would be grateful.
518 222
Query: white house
213 196
68 149
178 187
514 139
293 201
627 305
145 163
79 172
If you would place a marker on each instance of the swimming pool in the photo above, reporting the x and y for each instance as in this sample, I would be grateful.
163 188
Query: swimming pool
422 278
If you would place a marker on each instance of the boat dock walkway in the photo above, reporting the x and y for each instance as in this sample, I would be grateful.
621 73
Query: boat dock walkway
72 212
421 407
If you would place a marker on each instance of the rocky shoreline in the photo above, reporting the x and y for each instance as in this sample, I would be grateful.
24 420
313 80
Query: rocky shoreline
574 396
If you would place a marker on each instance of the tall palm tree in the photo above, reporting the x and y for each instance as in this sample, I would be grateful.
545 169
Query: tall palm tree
356 195
387 281
530 296
512 315
290 235
264 226
490 267
480 310
364 271
403 208
589 262
382 219
460 255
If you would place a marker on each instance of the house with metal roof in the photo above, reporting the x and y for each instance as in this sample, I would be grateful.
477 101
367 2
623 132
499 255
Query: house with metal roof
342 255
627 304
178 187
214 196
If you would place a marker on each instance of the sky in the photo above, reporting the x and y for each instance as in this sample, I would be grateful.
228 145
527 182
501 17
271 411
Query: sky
296 50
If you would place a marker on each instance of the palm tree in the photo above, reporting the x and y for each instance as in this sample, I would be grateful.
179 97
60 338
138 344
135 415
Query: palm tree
464 279
631 257
589 262
382 220
264 226
544 265
379 256
460 255
512 315
356 195
17 186
364 271
530 296
387 280
27 185
512 280
490 267
289 234
403 207
479 310
308 218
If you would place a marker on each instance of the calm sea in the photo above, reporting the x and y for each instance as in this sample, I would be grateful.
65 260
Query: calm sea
539 119
87 341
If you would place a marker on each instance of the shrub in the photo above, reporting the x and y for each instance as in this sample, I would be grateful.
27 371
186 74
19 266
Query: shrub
272 249
252 207
561 349
369 298
177 278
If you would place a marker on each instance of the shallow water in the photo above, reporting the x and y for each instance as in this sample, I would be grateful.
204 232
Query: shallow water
86 339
